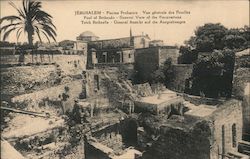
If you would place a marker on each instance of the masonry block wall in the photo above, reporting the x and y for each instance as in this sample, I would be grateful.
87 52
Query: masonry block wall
146 62
43 84
50 98
66 61
181 79
128 56
111 136
176 143
140 42
227 128
110 43
26 79
96 88
241 85
210 137
166 52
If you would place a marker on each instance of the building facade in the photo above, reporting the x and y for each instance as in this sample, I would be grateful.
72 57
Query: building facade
148 60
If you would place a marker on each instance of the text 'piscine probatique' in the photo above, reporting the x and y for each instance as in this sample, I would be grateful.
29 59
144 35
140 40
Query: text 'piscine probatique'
133 17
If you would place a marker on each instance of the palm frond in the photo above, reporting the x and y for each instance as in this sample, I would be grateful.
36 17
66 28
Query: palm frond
25 6
7 33
10 18
18 10
32 19
18 33
8 26
50 34
47 27
34 6
46 36
38 34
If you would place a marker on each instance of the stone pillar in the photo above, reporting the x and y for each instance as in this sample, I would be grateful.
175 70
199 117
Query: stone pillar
91 110
94 59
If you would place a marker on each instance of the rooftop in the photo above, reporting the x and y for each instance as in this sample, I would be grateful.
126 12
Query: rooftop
160 98
87 33
199 111
121 38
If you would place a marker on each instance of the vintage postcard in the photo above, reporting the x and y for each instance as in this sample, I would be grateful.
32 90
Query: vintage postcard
140 79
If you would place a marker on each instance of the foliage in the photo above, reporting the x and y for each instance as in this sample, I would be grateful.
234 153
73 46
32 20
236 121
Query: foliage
66 44
209 37
6 44
215 36
31 19
188 56
164 74
234 39
212 75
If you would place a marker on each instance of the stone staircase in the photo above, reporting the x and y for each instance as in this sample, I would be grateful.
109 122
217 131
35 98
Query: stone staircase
236 155
244 147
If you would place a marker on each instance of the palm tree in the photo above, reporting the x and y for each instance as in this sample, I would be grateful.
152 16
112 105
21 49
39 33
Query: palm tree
31 20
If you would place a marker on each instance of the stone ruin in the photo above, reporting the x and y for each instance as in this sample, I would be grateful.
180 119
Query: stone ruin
98 114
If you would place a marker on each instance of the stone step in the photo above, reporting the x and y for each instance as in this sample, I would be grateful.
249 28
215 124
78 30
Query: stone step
244 147
237 155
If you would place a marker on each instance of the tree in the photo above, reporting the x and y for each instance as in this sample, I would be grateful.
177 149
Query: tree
65 44
213 75
208 37
164 74
31 19
234 39
213 71
187 55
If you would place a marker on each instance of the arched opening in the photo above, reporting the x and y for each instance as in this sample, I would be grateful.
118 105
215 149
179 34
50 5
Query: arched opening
223 140
234 135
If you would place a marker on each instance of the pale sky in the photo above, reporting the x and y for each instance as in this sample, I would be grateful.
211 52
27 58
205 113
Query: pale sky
232 14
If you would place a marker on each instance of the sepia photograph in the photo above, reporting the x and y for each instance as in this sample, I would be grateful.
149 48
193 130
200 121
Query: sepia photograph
124 79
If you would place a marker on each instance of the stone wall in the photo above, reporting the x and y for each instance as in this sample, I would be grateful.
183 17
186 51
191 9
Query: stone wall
26 79
71 64
159 108
109 89
128 56
115 56
198 100
30 76
134 41
196 138
112 140
176 143
68 63
222 120
110 43
182 75
241 78
146 62
168 52
96 89
111 136
140 42
241 85
50 98
246 116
